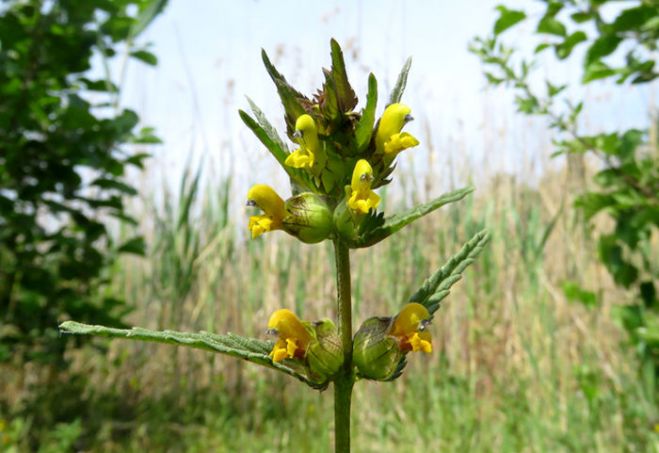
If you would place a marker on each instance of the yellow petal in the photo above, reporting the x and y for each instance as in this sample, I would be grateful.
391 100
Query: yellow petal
399 142
300 158
420 344
259 224
291 347
279 351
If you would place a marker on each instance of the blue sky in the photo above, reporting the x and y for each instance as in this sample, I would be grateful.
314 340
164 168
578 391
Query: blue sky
209 59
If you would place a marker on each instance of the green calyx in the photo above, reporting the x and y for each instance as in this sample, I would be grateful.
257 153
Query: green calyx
375 353
308 218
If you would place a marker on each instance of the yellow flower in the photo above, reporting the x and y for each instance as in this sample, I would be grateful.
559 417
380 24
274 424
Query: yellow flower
410 328
389 138
293 338
265 198
361 198
309 155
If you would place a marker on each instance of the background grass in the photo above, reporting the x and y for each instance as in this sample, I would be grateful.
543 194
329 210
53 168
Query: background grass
515 367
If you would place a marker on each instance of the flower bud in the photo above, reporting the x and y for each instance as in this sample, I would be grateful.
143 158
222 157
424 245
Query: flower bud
381 343
308 218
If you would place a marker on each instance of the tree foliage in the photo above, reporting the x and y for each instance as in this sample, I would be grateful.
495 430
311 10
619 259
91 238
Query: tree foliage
63 164
619 43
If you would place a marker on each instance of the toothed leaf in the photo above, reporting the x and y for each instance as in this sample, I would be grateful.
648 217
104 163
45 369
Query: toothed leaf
438 285
250 349
399 221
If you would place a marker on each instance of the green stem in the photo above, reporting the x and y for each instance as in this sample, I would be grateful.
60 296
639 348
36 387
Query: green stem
345 379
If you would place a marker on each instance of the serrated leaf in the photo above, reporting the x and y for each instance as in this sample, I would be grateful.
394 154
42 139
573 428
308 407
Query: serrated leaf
399 88
364 128
438 285
291 99
507 18
399 221
270 139
345 95
250 349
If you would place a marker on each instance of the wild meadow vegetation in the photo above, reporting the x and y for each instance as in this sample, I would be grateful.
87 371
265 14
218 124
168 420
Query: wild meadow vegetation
530 350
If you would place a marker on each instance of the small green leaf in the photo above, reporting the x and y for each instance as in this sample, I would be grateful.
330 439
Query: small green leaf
364 128
564 49
135 245
399 88
597 70
552 26
113 184
576 293
145 56
507 18
603 46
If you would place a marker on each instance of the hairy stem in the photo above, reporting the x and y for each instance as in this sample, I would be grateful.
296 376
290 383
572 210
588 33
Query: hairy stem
345 379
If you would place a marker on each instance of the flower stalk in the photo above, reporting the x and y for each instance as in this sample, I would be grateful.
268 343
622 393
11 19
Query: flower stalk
345 379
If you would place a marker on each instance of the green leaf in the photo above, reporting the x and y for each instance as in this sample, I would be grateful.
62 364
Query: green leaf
399 88
507 18
145 56
552 26
575 293
270 138
597 70
399 221
250 349
438 285
291 99
603 46
146 16
345 95
633 19
581 17
364 128
564 49
271 143
135 245
106 183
